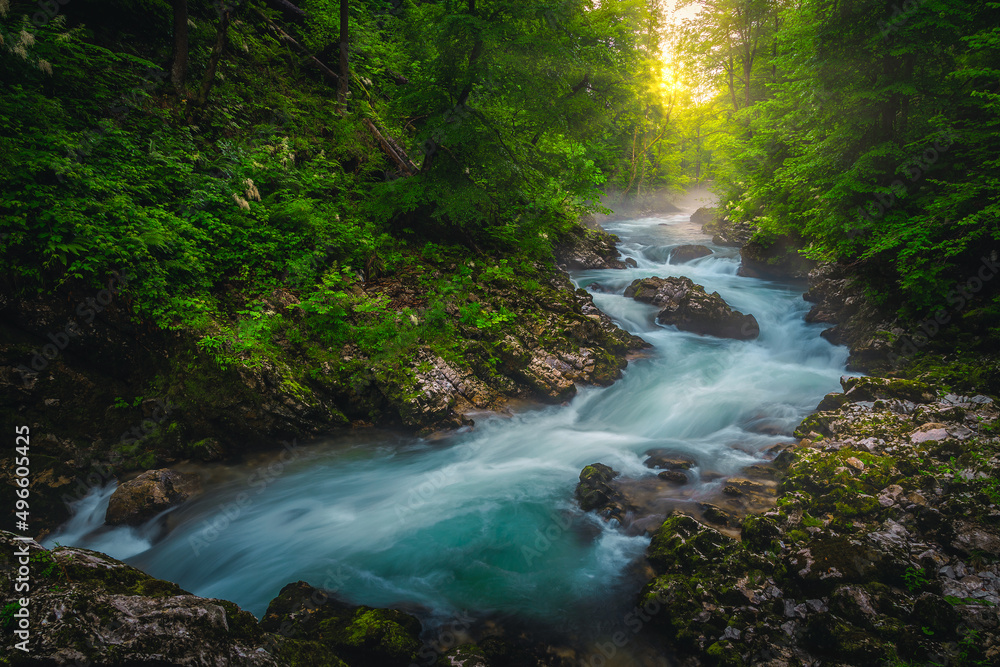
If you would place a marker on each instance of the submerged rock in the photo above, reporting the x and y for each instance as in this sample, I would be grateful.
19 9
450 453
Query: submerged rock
687 306
687 253
668 459
140 499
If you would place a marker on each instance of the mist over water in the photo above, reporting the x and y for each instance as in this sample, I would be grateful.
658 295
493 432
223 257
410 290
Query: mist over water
484 521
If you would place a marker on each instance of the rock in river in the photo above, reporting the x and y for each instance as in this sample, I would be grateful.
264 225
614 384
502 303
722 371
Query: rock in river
686 253
142 498
688 307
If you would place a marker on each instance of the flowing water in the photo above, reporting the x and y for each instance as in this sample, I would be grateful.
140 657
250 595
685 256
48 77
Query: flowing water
482 523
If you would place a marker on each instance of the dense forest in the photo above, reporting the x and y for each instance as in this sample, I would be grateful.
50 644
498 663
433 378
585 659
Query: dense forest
203 145
234 223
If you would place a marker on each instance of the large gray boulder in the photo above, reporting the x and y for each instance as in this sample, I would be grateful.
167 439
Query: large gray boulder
687 306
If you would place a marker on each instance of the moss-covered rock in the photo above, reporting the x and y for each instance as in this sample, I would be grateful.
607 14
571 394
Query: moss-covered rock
357 634
759 533
868 556
595 492
88 607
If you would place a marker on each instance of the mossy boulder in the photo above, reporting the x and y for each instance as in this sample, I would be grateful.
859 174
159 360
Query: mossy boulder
759 533
596 492
582 249
357 634
828 634
93 609
467 655
828 560
140 499
875 388
935 616
683 544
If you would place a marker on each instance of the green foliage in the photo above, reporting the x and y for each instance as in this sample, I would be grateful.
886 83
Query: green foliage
915 578
872 136
515 113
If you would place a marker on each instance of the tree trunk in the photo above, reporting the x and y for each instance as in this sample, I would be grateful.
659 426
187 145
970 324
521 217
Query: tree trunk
178 71
288 9
345 72
316 62
221 35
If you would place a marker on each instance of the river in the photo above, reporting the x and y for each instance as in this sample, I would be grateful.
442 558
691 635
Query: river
482 523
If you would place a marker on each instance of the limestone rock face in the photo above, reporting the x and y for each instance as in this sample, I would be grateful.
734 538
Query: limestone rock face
723 231
583 249
142 498
87 608
688 307
839 300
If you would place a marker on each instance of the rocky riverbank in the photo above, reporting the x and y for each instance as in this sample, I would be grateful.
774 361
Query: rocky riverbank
89 609
879 541
119 396
882 548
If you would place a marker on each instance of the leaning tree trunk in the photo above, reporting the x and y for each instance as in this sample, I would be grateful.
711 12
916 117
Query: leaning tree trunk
344 87
178 71
221 36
